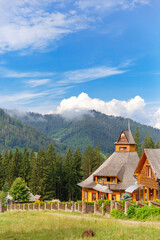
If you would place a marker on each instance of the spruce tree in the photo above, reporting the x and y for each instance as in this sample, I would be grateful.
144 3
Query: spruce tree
69 174
49 173
78 173
1 172
138 142
33 184
97 159
25 166
148 142
15 165
40 161
87 162
59 178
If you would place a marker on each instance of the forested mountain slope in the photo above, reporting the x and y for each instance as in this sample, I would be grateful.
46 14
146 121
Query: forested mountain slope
94 128
14 133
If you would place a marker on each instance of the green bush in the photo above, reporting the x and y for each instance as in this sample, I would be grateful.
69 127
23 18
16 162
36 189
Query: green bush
117 214
79 202
90 203
99 202
131 211
145 212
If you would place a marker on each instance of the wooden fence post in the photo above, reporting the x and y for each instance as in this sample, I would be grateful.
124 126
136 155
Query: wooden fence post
83 207
126 207
149 203
94 207
72 206
103 209
116 205
0 207
111 206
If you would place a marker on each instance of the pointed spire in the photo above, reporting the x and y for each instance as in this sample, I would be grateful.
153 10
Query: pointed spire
129 124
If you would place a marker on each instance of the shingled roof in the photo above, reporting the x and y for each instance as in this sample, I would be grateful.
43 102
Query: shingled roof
129 137
153 156
119 164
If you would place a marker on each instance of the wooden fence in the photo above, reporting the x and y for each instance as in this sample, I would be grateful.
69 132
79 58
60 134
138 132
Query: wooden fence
75 207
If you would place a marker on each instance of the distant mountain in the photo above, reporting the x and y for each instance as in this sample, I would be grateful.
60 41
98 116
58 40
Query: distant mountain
14 133
94 128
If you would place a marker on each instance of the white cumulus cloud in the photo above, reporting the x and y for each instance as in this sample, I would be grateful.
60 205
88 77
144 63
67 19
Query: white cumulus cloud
131 108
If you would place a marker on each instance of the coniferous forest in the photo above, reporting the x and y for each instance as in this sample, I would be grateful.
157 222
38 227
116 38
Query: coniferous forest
48 173
53 175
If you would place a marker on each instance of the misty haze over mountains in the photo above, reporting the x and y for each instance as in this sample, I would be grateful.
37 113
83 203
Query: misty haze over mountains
82 129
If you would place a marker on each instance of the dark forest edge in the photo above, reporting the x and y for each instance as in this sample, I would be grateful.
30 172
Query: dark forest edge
53 175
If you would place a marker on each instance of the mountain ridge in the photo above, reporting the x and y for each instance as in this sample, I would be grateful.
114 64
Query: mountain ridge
93 128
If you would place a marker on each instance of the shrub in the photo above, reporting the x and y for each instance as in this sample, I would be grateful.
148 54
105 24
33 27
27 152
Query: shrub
79 202
117 214
144 212
131 211
99 202
90 203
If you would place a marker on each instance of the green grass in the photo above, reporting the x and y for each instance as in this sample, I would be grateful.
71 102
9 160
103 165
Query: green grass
49 226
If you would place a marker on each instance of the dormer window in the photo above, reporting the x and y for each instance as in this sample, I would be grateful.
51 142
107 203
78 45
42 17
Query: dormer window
122 148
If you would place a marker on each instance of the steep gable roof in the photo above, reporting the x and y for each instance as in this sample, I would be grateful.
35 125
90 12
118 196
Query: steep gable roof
129 137
153 156
119 164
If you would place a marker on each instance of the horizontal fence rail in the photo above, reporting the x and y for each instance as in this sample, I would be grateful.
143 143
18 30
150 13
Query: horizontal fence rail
94 208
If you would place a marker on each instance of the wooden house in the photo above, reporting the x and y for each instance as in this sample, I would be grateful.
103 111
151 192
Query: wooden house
148 175
115 175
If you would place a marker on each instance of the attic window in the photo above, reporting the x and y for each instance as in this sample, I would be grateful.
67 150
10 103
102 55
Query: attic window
122 148
148 171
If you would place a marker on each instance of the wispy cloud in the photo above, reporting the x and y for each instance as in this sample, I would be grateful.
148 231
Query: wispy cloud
35 24
110 5
7 73
90 74
36 83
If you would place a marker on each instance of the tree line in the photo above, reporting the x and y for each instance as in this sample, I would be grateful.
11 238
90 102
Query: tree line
52 175
147 142
47 173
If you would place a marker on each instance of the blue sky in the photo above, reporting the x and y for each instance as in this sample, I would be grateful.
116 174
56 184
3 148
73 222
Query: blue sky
70 56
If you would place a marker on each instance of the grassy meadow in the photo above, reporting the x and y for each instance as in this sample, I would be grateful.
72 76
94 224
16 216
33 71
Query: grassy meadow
49 226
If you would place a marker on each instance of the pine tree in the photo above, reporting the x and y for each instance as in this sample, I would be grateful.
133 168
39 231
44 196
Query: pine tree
69 172
25 166
138 142
15 165
148 142
59 178
97 160
5 164
40 161
1 172
158 145
87 162
78 173
33 184
49 173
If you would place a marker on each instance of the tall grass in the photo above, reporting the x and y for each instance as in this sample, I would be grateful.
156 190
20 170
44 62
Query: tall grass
47 226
